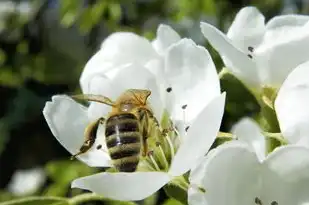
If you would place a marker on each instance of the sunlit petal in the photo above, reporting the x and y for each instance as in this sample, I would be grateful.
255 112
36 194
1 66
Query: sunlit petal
247 29
67 121
166 36
292 105
123 186
248 131
201 136
238 62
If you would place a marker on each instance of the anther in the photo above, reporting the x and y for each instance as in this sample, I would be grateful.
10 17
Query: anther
169 89
250 48
258 201
274 203
150 153
186 129
99 146
249 55
184 106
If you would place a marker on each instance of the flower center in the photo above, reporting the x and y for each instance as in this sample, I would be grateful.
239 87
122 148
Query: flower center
269 95
258 201
161 148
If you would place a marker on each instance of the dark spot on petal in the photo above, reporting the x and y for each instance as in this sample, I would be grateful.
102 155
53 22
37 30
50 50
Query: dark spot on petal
169 89
187 128
274 203
250 48
184 106
99 146
250 56
258 201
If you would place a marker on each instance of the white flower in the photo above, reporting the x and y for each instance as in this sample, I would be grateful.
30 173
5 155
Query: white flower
123 48
261 55
192 81
26 182
291 106
237 174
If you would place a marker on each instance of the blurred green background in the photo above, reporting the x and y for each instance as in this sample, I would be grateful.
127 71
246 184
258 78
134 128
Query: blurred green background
43 48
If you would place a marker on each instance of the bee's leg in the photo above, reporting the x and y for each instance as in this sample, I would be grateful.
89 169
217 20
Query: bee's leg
90 136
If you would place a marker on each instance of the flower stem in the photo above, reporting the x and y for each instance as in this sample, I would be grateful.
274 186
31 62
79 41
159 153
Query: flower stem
84 198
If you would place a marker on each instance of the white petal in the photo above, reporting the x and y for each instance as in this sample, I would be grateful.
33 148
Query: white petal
101 85
247 28
287 20
282 42
123 186
231 175
166 36
291 105
191 74
118 49
201 136
196 197
287 181
97 65
67 120
248 131
238 62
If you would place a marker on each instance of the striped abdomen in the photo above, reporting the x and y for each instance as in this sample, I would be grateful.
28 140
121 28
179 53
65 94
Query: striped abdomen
123 140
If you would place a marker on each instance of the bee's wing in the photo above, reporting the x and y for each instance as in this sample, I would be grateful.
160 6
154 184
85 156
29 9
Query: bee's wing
139 94
95 98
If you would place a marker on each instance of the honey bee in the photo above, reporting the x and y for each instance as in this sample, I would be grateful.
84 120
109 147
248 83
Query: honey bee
127 127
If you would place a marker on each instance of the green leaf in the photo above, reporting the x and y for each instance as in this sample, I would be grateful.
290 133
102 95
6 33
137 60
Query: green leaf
37 201
115 202
115 11
176 193
172 202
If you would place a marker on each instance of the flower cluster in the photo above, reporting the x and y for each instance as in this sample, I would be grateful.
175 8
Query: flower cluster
270 59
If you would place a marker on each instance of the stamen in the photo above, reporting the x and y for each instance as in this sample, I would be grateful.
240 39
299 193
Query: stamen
187 128
99 146
250 48
150 155
258 201
170 145
169 89
250 56
163 155
274 203
184 106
